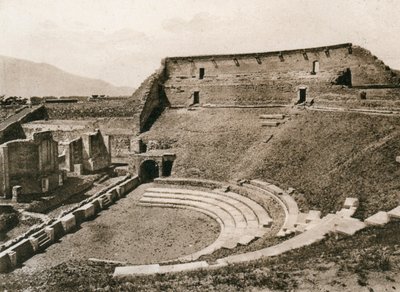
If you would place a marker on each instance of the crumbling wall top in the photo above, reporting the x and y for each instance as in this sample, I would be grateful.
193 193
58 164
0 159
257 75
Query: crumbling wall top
253 55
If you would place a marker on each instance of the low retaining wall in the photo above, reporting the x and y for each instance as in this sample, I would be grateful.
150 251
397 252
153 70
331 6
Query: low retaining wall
24 248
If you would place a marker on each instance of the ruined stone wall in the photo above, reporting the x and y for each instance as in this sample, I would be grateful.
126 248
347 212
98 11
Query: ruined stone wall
96 154
270 77
93 109
23 166
10 128
27 162
11 131
120 131
121 145
72 151
152 99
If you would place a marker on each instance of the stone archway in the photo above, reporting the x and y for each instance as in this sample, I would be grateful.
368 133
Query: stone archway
149 170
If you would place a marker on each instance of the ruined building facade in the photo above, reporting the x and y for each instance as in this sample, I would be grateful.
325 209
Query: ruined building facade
31 164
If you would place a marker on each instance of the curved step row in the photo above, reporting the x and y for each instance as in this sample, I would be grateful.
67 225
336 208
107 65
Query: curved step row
316 228
241 219
287 202
249 207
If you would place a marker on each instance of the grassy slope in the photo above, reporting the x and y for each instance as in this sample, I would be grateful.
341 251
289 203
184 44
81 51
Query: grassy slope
326 156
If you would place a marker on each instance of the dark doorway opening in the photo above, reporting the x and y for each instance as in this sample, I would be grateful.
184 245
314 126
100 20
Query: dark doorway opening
148 170
196 97
344 78
167 168
201 73
302 95
142 146
315 67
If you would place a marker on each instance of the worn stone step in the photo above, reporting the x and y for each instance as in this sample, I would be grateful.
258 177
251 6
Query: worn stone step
348 226
287 202
378 219
164 205
262 215
237 215
44 243
270 124
248 207
394 213
272 116
222 214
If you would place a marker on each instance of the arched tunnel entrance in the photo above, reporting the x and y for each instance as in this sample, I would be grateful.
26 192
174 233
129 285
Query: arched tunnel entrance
149 170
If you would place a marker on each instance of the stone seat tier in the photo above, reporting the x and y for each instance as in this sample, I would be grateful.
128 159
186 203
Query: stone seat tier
288 204
227 220
229 236
250 209
239 223
263 217
238 217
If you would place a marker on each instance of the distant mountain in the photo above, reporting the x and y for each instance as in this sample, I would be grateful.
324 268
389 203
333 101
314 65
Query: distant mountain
25 78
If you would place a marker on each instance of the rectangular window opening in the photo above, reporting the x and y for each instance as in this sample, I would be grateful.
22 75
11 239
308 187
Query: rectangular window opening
201 73
196 97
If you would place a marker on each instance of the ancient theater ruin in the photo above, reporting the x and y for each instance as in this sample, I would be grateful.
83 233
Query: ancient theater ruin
293 145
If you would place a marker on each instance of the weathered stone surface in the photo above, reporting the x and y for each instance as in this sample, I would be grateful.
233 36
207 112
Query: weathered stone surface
348 226
136 270
78 169
23 250
25 166
313 215
350 202
394 213
273 116
5 262
270 124
79 215
88 210
380 218
68 222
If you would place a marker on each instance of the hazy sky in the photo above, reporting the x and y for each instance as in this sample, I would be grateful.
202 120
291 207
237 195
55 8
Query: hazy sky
123 41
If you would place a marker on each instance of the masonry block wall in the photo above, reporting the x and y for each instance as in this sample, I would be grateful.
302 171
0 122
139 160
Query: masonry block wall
73 153
11 131
31 164
96 153
152 99
121 145
262 78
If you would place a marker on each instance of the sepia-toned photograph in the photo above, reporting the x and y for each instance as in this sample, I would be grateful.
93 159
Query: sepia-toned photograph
200 145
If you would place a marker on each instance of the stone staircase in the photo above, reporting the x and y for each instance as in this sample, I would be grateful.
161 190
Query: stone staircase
41 240
105 201
272 120
241 219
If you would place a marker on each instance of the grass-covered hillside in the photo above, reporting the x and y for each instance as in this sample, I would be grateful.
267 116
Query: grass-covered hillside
327 156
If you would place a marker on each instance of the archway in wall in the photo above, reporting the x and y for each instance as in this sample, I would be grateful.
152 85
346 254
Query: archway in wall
149 170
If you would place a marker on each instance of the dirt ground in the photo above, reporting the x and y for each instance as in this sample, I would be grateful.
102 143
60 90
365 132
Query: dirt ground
129 233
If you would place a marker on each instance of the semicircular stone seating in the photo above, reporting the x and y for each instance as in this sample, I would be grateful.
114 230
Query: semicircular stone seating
241 219
309 227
